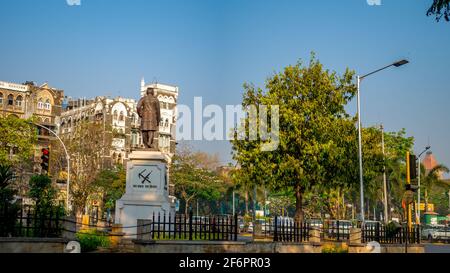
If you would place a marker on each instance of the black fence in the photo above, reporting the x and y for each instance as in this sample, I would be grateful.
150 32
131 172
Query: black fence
391 235
188 227
334 230
286 230
28 222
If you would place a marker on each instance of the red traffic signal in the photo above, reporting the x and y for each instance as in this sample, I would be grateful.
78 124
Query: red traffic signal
45 159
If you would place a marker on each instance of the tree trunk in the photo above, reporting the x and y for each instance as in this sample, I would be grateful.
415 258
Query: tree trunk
246 202
186 206
299 204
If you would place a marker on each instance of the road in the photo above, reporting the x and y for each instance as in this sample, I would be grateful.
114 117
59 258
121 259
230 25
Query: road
437 248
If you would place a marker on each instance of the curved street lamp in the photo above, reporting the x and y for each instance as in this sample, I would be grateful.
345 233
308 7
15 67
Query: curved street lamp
68 162
359 79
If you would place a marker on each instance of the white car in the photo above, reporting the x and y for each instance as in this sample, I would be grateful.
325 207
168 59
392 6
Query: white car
437 234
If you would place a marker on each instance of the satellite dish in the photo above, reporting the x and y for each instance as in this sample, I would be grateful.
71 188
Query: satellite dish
373 247
73 247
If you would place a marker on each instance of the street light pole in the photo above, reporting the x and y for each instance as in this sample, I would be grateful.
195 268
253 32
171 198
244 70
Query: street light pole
361 181
359 79
386 216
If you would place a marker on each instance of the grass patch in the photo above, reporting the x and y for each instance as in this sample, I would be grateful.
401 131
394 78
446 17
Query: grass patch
91 240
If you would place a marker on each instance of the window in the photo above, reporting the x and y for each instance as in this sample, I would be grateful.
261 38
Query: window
121 116
167 123
1 98
115 115
10 100
47 105
19 101
40 104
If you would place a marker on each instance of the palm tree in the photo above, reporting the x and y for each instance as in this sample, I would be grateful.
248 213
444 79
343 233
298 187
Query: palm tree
396 171
431 179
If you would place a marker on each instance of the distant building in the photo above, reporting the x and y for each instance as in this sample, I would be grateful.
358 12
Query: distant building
430 162
28 100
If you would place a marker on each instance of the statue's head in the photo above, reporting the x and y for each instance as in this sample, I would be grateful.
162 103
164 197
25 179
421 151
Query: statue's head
150 91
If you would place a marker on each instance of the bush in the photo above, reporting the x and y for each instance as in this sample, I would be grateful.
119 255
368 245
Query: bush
92 239
334 249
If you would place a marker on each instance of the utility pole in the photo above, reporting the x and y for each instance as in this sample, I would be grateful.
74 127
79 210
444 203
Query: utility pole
386 215
418 179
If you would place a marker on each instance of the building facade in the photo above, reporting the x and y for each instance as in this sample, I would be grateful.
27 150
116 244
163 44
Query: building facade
120 117
29 100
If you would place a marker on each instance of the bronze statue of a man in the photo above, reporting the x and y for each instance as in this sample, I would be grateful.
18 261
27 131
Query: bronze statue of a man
149 111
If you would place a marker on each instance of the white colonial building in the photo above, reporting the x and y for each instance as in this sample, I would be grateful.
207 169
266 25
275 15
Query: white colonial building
121 116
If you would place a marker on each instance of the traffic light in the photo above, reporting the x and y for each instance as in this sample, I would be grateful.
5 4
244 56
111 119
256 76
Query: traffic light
45 160
413 167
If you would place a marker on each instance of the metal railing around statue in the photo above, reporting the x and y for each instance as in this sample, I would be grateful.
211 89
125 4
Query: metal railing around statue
194 228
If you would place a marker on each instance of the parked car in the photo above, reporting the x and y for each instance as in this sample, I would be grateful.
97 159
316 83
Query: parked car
315 223
437 233
341 228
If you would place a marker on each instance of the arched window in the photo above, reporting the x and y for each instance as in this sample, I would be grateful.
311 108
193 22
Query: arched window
47 104
19 101
121 116
10 100
40 104
1 98
115 115
167 123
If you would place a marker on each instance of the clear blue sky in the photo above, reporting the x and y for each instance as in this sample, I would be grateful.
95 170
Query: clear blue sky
209 48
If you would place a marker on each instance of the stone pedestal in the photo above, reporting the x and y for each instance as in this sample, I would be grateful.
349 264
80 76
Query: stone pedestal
355 236
147 191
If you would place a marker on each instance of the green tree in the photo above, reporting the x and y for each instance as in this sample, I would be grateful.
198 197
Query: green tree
311 101
111 183
9 207
396 145
44 194
440 8
192 179
17 140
